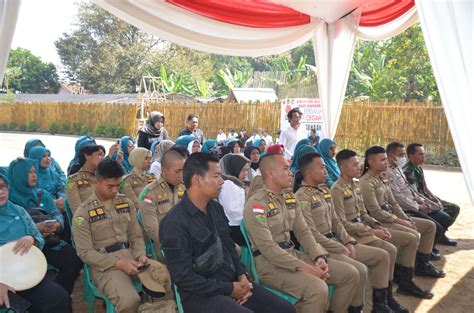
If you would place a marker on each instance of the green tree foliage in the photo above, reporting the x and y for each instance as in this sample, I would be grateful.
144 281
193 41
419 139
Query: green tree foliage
27 73
104 53
398 68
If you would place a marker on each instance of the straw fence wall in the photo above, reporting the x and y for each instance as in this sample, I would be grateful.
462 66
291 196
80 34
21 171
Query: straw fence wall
362 123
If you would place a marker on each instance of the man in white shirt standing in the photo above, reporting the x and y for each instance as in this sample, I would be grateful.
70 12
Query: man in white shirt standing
293 133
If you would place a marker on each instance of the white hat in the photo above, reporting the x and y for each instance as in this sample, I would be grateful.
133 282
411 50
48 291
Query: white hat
22 272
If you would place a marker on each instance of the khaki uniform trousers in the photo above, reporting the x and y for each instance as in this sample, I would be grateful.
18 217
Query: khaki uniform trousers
387 247
406 240
118 286
427 230
378 261
312 291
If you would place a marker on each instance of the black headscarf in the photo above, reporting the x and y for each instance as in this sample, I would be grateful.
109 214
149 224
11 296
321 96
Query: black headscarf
231 165
248 152
149 127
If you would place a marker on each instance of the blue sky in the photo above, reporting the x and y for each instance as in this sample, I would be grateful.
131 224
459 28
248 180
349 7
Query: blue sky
40 23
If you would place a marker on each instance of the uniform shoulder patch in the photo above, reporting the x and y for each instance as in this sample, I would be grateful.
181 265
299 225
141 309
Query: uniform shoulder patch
79 220
259 212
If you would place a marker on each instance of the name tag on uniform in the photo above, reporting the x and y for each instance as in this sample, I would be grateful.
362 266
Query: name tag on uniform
163 201
316 205
97 214
273 212
122 208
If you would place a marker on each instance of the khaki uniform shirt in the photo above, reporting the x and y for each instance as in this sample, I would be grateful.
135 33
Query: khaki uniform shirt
98 224
134 183
155 201
79 188
407 198
319 214
349 207
376 193
269 218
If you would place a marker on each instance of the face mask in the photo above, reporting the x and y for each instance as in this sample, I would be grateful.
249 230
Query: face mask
401 161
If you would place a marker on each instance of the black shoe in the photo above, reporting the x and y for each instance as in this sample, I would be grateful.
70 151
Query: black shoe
435 255
407 287
392 303
379 301
355 309
447 242
423 267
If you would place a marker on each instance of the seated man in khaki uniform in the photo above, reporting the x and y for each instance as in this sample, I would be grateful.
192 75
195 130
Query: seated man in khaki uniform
160 196
109 239
381 205
315 199
269 215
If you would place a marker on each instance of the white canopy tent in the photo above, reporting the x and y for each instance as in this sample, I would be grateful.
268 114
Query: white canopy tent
333 26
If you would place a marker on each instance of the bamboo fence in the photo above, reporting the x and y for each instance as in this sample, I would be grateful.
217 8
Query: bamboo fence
361 125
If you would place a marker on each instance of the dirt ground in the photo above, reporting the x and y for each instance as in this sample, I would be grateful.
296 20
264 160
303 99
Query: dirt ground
453 293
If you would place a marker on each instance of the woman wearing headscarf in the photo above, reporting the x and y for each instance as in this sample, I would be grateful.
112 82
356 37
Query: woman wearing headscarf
16 225
39 204
80 185
208 145
302 150
157 152
253 154
261 145
327 150
36 142
127 144
234 146
81 142
48 179
184 140
234 169
152 131
134 183
302 142
194 146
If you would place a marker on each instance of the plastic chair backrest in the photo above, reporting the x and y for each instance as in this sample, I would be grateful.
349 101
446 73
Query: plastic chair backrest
150 247
243 230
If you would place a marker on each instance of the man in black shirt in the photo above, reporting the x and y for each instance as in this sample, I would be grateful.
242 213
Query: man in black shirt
193 129
197 227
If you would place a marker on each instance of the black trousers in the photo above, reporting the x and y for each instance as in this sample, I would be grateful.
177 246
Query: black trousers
261 301
236 235
47 297
68 264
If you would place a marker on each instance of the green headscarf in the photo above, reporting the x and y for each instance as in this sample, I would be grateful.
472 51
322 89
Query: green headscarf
47 177
185 140
208 145
25 196
331 165
302 150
